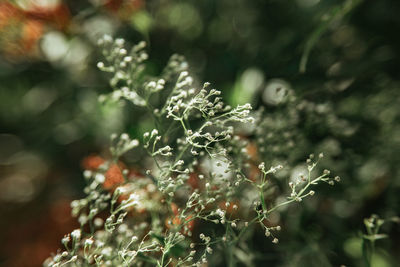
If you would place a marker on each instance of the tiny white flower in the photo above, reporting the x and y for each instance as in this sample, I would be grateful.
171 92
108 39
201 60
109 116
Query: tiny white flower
88 242
100 178
76 234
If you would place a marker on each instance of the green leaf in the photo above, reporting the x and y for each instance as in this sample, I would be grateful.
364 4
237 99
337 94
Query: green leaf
333 15
142 22
375 237
160 238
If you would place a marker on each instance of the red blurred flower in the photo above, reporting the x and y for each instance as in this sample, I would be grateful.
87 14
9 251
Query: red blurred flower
113 175
8 13
92 162
57 15
21 29
175 221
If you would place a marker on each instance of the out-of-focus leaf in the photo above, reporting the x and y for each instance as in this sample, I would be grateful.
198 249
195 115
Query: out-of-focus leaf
375 237
335 14
142 22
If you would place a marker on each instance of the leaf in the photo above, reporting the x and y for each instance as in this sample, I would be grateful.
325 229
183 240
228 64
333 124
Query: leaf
160 238
375 237
142 22
333 15
143 257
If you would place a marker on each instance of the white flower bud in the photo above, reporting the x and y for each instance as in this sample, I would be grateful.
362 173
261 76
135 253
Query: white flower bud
76 234
88 242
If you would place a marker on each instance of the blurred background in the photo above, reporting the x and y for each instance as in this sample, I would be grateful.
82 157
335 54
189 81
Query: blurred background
343 56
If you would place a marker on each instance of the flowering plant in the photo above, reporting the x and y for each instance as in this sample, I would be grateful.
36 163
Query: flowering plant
201 182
